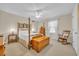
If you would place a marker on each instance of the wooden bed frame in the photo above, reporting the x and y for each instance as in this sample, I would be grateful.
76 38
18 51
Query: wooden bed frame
39 43
27 25
21 26
36 44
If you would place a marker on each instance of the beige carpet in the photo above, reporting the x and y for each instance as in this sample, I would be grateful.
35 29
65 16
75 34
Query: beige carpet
53 49
15 49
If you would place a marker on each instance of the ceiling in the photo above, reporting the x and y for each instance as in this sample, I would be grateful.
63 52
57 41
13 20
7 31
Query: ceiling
49 10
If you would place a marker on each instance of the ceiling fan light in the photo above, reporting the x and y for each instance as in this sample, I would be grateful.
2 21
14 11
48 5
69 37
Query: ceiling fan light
38 15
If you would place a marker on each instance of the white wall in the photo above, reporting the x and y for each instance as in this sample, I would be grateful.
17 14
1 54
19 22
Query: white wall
75 28
8 21
78 29
65 23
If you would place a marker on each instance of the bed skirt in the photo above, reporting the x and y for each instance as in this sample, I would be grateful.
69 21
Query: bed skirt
23 42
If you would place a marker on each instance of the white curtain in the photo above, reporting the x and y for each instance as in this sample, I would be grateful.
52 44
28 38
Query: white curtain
52 29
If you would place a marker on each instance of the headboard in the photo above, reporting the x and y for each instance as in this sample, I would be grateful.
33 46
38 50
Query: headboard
22 27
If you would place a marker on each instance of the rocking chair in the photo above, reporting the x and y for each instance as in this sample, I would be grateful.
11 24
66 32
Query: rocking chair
63 38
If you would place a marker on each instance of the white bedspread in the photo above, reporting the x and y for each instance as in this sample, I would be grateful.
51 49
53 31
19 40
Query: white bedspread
24 35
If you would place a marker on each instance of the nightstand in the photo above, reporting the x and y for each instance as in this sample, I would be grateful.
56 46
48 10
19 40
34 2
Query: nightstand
1 40
12 38
2 48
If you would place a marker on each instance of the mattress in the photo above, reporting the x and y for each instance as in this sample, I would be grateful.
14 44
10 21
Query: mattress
23 37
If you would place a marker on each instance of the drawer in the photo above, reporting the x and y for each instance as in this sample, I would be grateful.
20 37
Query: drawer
1 40
12 37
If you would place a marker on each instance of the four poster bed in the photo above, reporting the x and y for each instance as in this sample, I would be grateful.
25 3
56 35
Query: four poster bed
28 39
22 32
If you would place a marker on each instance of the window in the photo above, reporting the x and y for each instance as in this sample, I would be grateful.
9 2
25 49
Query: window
52 26
33 29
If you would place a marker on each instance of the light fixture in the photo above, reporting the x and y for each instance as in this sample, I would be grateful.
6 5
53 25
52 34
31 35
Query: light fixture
38 14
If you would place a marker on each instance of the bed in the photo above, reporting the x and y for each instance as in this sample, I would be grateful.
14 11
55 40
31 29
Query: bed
23 37
28 39
23 33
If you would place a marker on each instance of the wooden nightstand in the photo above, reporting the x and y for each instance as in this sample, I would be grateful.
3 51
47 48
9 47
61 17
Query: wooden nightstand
2 48
12 38
1 39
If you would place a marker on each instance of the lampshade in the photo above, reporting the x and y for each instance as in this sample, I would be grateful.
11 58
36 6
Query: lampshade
12 30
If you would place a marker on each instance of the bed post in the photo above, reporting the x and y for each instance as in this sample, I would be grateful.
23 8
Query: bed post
29 33
17 31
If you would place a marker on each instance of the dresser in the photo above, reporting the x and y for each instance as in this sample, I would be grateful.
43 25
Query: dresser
1 40
2 48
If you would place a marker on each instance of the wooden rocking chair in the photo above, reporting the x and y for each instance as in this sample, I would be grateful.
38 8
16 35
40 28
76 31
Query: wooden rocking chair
63 38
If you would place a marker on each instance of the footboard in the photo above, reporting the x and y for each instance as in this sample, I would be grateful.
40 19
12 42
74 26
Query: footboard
39 45
23 42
